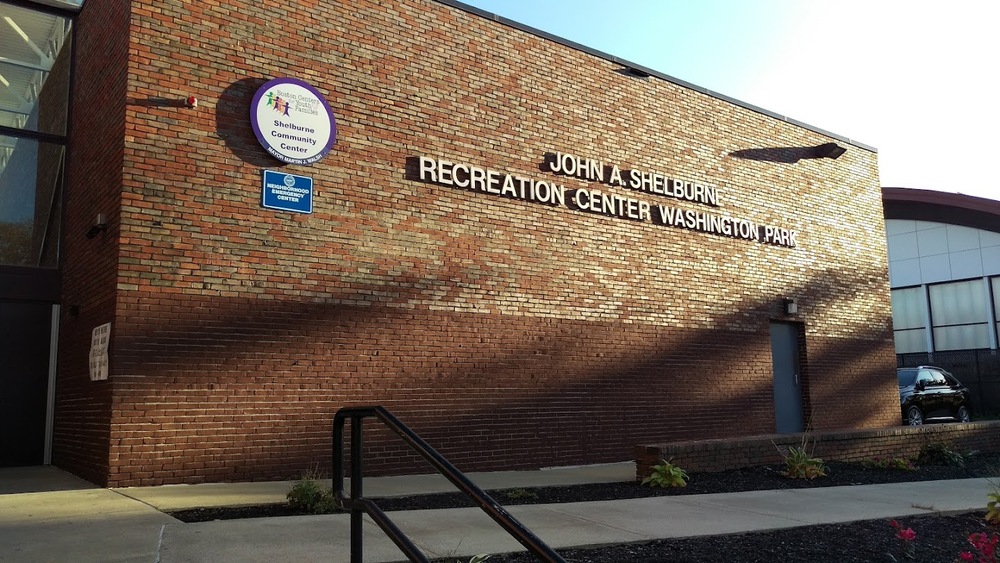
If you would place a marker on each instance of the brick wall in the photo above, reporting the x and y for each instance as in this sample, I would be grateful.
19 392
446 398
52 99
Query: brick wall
93 185
840 445
508 333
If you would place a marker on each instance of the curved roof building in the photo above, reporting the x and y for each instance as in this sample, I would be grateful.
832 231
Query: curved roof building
944 270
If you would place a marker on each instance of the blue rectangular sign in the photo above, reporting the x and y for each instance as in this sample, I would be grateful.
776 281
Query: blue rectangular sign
287 192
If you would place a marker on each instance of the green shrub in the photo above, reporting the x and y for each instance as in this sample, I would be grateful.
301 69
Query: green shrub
310 496
940 454
891 463
515 494
666 474
800 464
993 507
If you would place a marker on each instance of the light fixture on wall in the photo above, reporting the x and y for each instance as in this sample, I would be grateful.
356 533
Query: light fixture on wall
829 150
791 306
100 225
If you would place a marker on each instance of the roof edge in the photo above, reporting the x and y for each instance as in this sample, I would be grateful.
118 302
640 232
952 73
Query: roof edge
941 207
951 199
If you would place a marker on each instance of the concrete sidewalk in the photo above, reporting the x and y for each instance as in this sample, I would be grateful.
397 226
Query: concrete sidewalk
91 524
176 497
49 515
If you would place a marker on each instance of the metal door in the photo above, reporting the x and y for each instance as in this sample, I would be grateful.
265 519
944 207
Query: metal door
787 382
25 331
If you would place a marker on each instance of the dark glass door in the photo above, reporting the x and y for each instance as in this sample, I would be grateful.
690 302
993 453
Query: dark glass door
25 330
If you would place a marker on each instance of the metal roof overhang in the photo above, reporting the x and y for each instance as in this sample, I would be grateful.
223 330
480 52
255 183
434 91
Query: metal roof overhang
941 207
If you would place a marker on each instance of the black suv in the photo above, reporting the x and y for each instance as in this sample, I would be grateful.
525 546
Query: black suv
929 393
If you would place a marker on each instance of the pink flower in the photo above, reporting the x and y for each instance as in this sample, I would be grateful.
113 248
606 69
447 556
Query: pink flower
985 545
907 534
965 556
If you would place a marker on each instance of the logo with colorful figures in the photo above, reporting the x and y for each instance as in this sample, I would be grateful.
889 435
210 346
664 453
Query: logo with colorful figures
292 121
274 101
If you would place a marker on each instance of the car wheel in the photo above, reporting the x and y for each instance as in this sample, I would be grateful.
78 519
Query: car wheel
963 414
914 417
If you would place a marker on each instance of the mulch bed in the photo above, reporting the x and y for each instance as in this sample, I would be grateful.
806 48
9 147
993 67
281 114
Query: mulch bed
938 538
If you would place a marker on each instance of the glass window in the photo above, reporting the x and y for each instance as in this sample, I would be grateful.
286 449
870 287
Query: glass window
910 341
958 303
70 4
996 303
34 94
959 315
30 192
908 305
908 308
961 337
34 70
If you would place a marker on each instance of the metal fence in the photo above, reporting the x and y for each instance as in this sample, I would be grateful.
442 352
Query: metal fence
979 370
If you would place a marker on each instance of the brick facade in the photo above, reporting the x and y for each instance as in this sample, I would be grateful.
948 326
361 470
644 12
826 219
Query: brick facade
94 175
509 333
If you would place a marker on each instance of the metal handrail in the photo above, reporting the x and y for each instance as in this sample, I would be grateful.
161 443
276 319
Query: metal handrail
358 505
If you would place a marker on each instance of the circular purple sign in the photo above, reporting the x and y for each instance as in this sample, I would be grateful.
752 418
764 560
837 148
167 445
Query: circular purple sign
292 121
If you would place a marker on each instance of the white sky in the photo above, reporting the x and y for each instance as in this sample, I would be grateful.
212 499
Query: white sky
915 79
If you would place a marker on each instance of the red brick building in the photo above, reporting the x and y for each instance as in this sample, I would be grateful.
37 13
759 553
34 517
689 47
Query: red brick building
532 253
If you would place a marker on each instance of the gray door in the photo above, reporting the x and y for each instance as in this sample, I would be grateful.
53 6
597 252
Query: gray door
787 384
25 329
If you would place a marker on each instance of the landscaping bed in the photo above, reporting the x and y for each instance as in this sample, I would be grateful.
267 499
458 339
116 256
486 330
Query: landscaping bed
938 538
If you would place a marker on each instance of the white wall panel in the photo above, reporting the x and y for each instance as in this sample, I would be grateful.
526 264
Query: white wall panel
991 261
989 238
925 225
923 252
904 272
935 269
903 246
962 238
966 264
899 226
933 241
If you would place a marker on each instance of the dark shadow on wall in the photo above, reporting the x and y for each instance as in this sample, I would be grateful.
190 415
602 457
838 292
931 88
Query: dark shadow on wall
549 385
158 102
232 123
634 72
786 155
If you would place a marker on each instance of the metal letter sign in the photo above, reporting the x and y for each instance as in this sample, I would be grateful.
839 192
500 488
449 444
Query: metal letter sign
287 192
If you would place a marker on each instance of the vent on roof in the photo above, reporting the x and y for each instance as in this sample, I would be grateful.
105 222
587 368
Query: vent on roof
637 72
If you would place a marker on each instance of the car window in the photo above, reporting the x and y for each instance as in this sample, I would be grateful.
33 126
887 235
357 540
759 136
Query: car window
926 377
906 377
939 379
952 382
